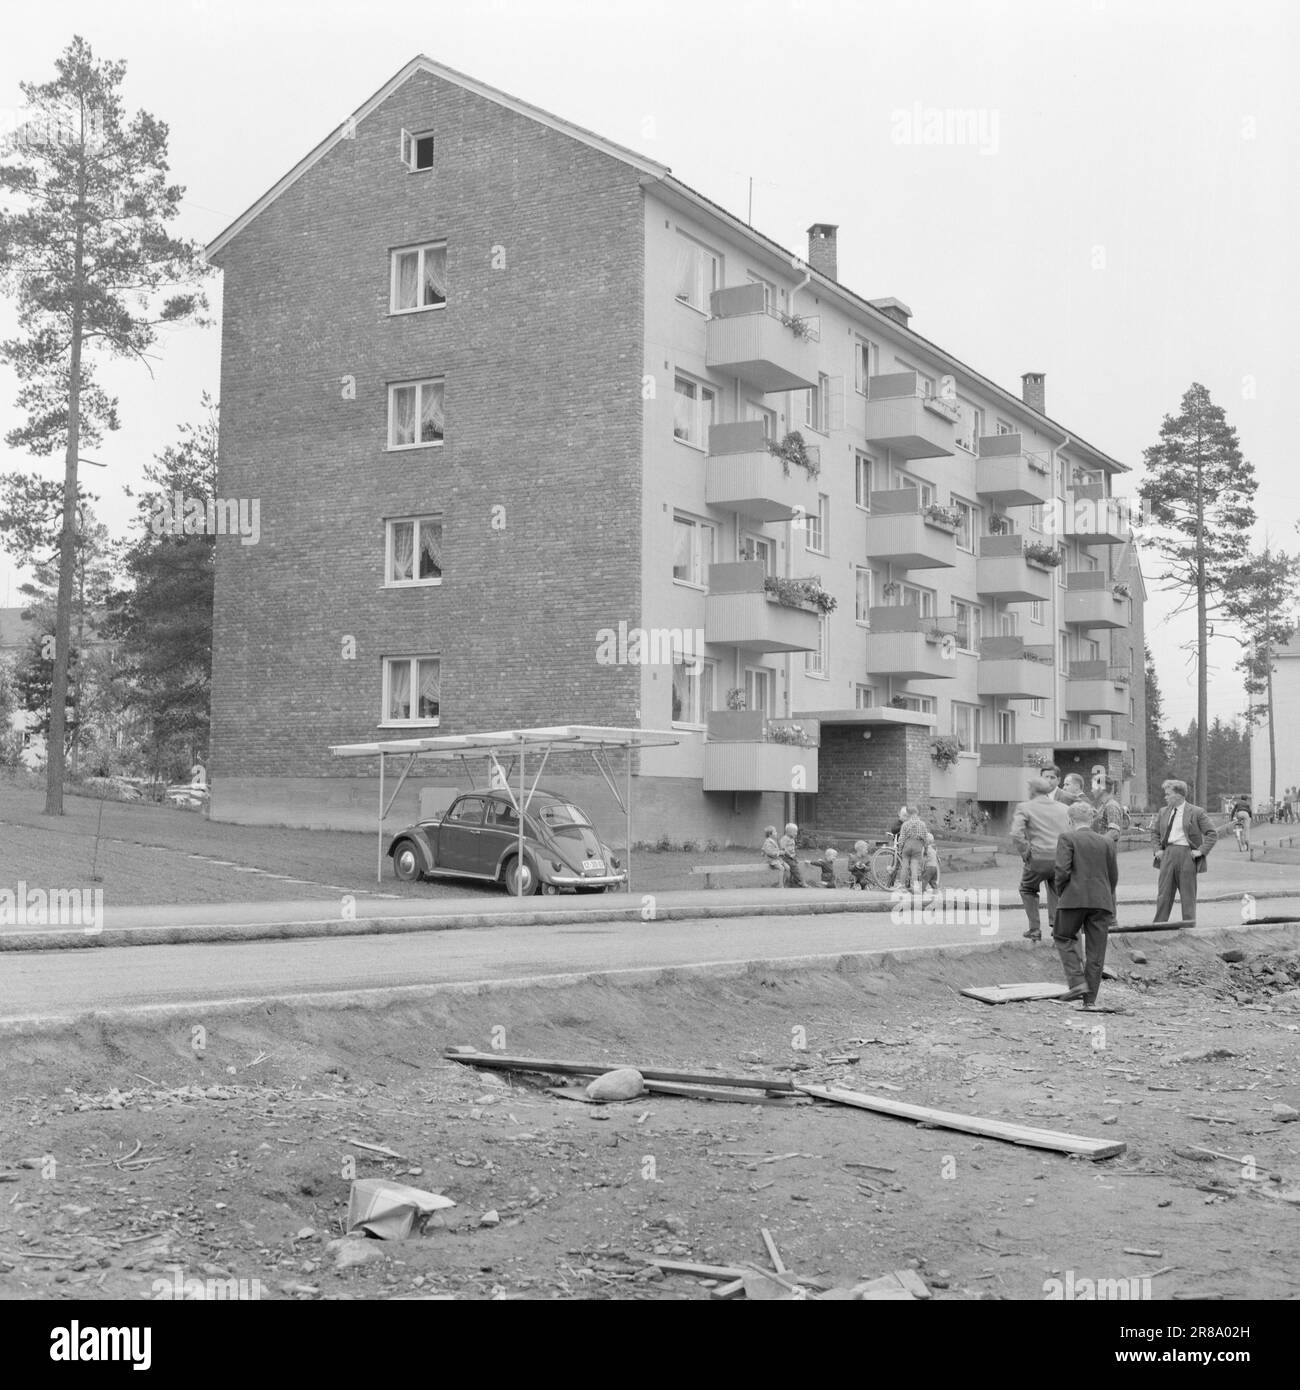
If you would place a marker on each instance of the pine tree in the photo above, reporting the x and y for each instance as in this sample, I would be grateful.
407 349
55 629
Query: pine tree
1200 496
85 252
1158 768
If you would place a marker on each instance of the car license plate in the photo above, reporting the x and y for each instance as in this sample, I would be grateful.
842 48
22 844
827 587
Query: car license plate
597 865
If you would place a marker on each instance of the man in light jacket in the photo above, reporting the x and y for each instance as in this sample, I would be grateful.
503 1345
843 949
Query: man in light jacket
1085 877
1182 839
1036 826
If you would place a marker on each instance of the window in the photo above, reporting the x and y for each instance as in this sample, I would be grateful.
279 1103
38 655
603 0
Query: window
415 414
760 548
966 725
1036 611
769 290
817 663
924 491
760 688
1065 652
411 689
754 411
1132 710
1089 649
1038 707
417 151
970 425
970 524
693 409
866 363
862 602
923 599
693 550
698 273
1092 731
818 535
1036 517
418 278
865 697
692 689
1005 427
922 704
924 380
414 551
969 625
817 405
1008 624
1065 729
1006 726
862 480
469 810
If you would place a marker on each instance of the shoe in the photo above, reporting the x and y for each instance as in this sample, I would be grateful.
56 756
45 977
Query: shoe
1078 992
1033 934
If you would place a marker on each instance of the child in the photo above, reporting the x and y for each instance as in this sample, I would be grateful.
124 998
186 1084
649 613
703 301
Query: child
789 848
911 849
827 865
772 853
860 866
930 864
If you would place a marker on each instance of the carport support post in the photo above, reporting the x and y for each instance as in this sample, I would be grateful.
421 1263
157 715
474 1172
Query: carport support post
519 867
379 863
627 806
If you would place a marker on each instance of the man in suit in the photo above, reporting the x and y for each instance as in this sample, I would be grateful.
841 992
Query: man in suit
1182 839
1036 826
1051 774
1085 876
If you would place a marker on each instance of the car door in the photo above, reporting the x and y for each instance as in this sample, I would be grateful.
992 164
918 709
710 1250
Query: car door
460 847
500 832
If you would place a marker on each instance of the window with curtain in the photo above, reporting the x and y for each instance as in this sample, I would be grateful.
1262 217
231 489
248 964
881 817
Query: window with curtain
696 273
412 689
415 551
415 414
419 278
693 411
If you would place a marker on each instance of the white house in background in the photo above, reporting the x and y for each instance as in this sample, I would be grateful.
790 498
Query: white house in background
1286 720
15 633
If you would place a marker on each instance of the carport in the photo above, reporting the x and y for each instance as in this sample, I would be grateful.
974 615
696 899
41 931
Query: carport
514 746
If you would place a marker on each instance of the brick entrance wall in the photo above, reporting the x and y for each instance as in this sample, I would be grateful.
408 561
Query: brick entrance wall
896 755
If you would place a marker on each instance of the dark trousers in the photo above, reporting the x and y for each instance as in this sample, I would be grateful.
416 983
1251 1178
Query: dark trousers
1094 923
1038 871
1177 872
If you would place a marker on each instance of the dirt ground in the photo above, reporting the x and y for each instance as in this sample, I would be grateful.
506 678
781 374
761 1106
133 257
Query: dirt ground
131 1159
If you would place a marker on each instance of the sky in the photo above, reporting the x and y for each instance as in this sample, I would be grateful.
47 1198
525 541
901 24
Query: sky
1116 206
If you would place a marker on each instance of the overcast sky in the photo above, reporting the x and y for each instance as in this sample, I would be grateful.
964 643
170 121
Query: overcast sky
1124 221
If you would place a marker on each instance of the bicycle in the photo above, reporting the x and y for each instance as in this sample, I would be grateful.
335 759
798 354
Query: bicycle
886 861
1241 829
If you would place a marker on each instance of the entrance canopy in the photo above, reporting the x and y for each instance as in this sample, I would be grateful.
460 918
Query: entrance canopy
514 745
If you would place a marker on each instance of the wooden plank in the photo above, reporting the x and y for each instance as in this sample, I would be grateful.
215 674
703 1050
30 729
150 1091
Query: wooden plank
1012 994
492 1061
1153 926
728 1272
912 1282
773 1253
731 1290
972 1124
672 1088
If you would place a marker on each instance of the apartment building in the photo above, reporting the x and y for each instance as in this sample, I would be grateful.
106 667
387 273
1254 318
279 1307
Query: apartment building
555 439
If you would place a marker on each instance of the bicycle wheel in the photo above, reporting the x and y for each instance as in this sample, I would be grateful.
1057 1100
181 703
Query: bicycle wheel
884 863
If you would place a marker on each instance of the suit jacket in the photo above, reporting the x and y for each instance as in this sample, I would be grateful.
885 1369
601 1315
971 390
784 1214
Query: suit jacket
1086 870
1196 824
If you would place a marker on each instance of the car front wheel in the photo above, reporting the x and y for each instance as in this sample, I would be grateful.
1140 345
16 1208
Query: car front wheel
406 861
520 883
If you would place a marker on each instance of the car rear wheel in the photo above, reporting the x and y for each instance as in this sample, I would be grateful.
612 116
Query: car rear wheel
520 883
406 861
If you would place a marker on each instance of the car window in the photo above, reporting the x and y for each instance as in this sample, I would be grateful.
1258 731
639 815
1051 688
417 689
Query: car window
502 813
560 814
470 810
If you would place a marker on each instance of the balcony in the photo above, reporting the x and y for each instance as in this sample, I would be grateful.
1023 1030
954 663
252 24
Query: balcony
902 643
1008 476
1003 572
1005 770
1093 687
1089 516
744 475
1091 601
748 752
901 417
755 344
739 612
1013 670
899 532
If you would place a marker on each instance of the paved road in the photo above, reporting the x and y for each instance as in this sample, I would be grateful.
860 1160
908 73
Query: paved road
42 984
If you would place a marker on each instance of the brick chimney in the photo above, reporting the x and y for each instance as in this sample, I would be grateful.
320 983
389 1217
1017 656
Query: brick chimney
1033 391
894 308
822 254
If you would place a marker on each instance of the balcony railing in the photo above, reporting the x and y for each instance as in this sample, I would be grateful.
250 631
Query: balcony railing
1002 572
903 644
1005 770
766 349
1010 475
1091 600
739 612
744 475
901 532
1090 516
1094 687
902 417
749 751
1012 669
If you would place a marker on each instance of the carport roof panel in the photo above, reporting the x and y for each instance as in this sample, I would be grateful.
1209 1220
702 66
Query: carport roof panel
573 736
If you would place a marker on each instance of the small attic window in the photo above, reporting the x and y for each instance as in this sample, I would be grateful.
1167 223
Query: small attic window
417 151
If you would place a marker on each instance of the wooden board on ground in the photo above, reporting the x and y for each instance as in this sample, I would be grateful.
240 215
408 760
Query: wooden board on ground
973 1124
1013 994
494 1061
737 1097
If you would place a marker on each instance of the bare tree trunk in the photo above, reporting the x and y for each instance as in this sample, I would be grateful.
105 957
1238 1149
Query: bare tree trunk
1202 645
1272 743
